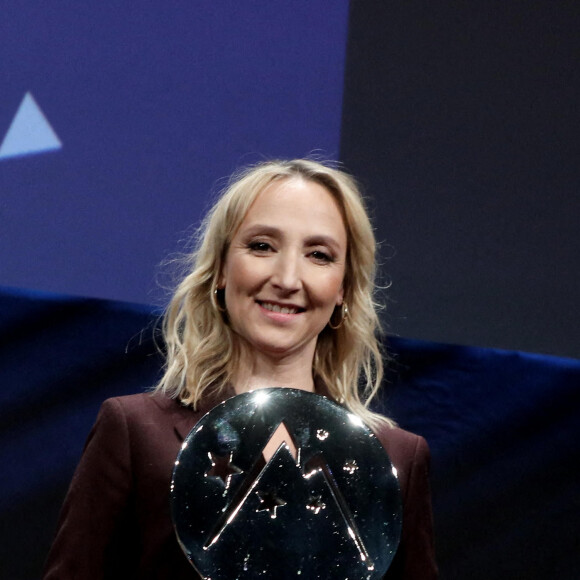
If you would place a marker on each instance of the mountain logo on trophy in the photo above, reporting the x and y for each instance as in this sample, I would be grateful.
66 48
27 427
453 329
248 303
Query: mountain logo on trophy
304 487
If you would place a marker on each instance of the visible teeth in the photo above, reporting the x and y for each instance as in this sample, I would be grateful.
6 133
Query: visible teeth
277 308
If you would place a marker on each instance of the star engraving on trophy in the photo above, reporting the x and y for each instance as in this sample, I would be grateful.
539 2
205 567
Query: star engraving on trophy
315 504
350 466
222 467
322 434
270 502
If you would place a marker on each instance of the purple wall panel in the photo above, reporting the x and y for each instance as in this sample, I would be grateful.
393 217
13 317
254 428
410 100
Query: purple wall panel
152 105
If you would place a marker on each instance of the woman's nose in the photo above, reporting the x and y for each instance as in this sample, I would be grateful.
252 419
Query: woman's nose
286 274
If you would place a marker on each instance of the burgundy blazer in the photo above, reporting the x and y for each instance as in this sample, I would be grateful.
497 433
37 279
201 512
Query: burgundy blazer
116 524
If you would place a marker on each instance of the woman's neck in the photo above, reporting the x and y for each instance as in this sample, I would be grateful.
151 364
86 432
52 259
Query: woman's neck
257 371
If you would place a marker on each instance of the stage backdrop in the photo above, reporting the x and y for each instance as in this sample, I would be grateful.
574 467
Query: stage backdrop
116 125
461 121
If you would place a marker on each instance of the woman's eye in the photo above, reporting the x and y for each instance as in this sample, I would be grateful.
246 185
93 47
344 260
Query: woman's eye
321 257
259 246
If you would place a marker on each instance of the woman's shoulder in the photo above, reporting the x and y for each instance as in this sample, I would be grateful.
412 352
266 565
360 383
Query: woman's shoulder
144 409
394 436
407 451
148 424
142 403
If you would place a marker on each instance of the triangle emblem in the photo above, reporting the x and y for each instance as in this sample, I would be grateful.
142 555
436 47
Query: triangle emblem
29 133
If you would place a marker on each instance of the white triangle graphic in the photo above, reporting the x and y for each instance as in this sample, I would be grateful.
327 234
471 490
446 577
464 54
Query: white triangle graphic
29 133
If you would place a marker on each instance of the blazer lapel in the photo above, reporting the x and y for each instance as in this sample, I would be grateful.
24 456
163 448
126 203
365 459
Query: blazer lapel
188 418
186 422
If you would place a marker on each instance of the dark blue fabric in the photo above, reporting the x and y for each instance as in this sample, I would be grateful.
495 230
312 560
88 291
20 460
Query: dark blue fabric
504 430
59 358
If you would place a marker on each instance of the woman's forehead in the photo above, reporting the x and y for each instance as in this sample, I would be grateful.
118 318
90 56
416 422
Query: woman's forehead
298 204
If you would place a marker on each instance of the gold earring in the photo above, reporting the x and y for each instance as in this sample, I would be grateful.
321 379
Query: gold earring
215 299
343 317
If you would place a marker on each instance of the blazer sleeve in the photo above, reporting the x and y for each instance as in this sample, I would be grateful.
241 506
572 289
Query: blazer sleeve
94 539
415 559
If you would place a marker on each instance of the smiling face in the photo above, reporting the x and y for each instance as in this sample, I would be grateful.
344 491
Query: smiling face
284 269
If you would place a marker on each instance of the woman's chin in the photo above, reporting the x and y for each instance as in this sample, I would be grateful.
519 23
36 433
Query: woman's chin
277 349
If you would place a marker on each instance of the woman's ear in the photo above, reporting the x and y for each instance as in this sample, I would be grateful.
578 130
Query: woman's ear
340 298
221 279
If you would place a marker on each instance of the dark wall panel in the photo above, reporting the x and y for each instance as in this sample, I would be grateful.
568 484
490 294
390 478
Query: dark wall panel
462 121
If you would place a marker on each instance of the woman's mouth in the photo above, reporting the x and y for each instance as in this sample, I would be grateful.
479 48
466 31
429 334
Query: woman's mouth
283 309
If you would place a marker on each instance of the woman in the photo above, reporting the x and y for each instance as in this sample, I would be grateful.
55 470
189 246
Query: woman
279 293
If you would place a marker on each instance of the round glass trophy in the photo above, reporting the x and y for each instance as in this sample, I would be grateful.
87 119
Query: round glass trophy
282 483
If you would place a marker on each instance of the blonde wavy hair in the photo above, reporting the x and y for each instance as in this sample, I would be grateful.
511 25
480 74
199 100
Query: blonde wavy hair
201 349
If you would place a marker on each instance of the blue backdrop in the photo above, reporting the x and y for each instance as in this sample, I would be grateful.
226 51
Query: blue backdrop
152 104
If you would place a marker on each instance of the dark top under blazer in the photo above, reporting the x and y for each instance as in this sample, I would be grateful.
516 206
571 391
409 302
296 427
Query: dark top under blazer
115 522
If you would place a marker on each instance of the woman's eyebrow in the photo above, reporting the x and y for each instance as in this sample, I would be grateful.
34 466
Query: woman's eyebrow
323 240
254 229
